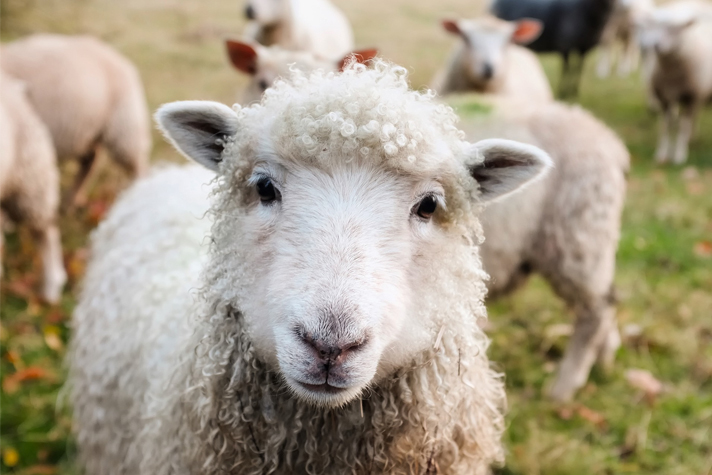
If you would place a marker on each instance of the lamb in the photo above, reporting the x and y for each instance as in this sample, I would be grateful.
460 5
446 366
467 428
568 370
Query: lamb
571 28
332 321
487 61
265 64
680 34
621 29
565 227
29 181
88 95
316 26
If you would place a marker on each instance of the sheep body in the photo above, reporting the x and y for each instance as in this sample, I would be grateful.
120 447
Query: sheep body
680 34
565 227
571 28
201 384
88 95
512 70
29 180
316 26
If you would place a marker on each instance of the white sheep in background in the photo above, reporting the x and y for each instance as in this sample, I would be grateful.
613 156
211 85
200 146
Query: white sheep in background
565 227
265 64
620 33
680 34
88 95
331 327
29 181
316 26
489 60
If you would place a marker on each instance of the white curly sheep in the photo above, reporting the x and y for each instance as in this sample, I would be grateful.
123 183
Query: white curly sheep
88 95
328 323
29 181
565 227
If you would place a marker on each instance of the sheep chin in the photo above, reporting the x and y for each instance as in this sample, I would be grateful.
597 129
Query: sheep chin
325 396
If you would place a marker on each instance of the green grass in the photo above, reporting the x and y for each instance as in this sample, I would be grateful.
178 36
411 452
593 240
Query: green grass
664 275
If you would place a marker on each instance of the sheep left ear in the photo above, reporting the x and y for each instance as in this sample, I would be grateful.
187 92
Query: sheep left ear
504 166
198 129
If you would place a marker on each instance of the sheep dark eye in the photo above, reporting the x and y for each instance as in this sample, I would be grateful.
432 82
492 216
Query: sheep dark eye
263 85
268 193
427 207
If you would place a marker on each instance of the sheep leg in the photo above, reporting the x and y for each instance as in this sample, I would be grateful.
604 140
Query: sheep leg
603 70
592 337
662 154
79 189
565 75
684 132
54 275
576 73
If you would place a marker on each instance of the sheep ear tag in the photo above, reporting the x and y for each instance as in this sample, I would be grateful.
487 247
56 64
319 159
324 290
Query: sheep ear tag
501 167
198 129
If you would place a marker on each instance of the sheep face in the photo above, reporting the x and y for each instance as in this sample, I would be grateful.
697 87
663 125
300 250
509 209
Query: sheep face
662 32
485 41
266 12
333 204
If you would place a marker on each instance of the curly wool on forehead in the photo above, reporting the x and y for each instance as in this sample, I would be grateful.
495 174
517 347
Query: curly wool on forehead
368 114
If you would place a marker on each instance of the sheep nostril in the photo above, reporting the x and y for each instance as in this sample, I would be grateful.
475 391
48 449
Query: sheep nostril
487 71
250 12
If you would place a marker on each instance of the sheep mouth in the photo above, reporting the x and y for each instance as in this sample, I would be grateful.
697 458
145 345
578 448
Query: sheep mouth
324 388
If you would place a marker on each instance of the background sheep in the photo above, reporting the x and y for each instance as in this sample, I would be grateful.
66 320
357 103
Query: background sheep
487 61
336 330
88 95
620 34
571 28
316 26
680 34
565 227
29 181
265 64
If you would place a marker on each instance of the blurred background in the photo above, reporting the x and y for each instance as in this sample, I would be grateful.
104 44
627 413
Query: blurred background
664 273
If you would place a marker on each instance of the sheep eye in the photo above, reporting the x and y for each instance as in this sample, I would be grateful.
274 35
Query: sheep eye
268 193
263 85
426 207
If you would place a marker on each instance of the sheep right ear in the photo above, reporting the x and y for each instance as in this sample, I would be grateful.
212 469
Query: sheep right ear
361 56
243 56
198 129
501 167
526 31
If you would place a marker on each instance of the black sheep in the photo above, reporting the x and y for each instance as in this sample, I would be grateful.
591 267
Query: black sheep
571 28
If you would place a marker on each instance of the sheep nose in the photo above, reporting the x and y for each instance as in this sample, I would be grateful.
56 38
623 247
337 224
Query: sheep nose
331 353
250 12
487 71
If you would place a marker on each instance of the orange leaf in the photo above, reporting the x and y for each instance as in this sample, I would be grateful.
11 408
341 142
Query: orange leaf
703 249
591 416
39 470
645 381
12 382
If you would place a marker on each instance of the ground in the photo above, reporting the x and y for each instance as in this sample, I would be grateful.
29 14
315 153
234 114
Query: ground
664 275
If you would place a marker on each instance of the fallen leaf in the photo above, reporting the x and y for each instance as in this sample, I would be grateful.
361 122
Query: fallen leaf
591 416
76 263
565 413
10 457
52 339
557 330
39 470
703 249
645 381
11 383
96 211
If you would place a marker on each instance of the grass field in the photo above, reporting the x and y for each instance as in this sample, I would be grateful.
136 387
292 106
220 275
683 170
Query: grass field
664 275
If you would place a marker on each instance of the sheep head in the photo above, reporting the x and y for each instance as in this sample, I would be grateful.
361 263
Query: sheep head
342 197
661 30
485 41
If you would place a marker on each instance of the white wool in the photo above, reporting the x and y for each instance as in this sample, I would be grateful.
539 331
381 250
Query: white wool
177 343
29 180
86 93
